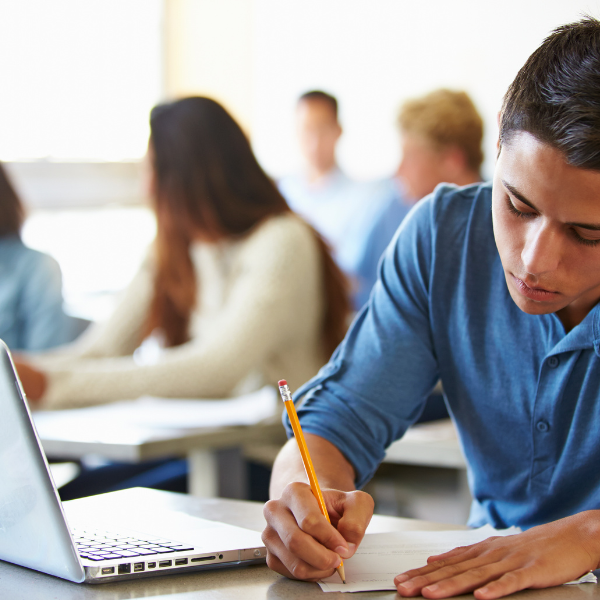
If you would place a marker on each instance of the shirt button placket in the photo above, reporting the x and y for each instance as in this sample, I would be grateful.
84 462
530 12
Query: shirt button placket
542 441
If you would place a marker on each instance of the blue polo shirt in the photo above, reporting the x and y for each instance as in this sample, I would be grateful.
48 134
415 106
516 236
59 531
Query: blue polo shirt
524 394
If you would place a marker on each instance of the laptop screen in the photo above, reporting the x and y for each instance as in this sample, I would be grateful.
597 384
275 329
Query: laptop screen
33 531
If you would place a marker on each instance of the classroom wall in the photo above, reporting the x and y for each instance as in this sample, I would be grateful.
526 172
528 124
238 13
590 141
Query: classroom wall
208 50
257 56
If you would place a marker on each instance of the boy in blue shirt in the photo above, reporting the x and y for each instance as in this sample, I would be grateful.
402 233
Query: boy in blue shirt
494 289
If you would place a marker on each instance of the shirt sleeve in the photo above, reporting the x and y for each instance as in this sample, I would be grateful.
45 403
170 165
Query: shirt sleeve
279 277
377 381
44 323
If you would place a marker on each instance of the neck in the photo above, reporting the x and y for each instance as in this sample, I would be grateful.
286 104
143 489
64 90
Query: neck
572 315
466 178
313 173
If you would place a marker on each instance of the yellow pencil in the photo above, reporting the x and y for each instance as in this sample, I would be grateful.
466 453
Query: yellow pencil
286 396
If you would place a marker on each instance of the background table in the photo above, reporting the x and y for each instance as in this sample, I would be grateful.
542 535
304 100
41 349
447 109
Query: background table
256 582
216 464
434 446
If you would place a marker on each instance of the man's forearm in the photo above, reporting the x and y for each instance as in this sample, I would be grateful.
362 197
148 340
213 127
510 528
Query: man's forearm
332 468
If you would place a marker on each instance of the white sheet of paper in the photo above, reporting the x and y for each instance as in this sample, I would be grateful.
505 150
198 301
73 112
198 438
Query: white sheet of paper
131 419
382 556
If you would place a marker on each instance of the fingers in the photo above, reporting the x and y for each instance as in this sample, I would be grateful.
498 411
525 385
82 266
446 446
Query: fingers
356 514
305 510
452 580
463 551
491 572
299 538
507 584
289 534
447 555
544 556
281 560
301 543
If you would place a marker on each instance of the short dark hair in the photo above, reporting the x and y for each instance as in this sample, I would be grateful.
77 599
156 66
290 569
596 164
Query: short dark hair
322 97
556 95
12 213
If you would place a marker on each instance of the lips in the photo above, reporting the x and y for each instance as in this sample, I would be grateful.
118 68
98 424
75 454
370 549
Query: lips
534 293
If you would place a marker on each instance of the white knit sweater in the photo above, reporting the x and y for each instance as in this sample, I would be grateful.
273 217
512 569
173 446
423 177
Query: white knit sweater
258 319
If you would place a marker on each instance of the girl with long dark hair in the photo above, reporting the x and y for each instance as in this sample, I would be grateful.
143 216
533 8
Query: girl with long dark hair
236 292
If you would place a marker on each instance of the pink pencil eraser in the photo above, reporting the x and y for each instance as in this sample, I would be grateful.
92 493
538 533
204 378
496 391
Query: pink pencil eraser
282 382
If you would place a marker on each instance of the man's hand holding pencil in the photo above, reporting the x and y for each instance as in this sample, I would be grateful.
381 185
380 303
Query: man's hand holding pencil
301 543
309 531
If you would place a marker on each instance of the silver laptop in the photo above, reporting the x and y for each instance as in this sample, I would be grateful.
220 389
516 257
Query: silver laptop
34 532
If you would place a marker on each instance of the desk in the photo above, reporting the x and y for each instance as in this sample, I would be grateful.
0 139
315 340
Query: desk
250 583
210 451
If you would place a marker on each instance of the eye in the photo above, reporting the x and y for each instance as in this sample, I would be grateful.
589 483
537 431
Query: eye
583 240
515 211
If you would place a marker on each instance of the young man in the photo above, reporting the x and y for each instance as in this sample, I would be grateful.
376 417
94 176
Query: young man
495 290
440 138
340 209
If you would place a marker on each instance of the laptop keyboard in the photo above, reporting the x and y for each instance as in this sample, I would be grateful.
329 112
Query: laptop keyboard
97 545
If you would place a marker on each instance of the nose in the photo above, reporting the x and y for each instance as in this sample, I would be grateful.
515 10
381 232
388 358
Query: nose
542 250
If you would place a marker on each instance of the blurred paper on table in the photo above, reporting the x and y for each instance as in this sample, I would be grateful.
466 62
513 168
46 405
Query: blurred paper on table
149 414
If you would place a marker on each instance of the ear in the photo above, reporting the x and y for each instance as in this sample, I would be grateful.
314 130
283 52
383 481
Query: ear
339 131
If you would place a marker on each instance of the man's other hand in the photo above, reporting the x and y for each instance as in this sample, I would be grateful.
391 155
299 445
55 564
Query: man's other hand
544 556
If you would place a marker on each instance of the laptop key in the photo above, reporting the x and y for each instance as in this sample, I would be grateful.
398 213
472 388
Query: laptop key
128 553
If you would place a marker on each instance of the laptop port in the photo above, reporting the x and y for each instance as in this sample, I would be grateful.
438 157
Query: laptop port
220 556
108 570
151 565
202 558
138 567
181 561
164 563
124 568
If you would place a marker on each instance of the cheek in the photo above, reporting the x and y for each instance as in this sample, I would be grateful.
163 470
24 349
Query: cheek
509 237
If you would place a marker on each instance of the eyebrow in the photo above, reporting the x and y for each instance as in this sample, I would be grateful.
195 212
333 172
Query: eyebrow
519 196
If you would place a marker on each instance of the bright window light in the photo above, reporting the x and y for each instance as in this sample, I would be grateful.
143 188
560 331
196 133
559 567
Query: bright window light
78 78
99 251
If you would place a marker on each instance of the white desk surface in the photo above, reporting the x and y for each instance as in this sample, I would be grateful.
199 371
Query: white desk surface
250 583
145 443
94 434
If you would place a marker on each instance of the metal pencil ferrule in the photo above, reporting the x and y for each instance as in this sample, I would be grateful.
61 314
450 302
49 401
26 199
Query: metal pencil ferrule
286 395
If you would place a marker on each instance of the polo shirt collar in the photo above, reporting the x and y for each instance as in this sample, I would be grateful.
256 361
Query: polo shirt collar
586 335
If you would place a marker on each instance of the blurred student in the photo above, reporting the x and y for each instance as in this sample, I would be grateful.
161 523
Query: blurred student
236 290
31 302
341 209
441 135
